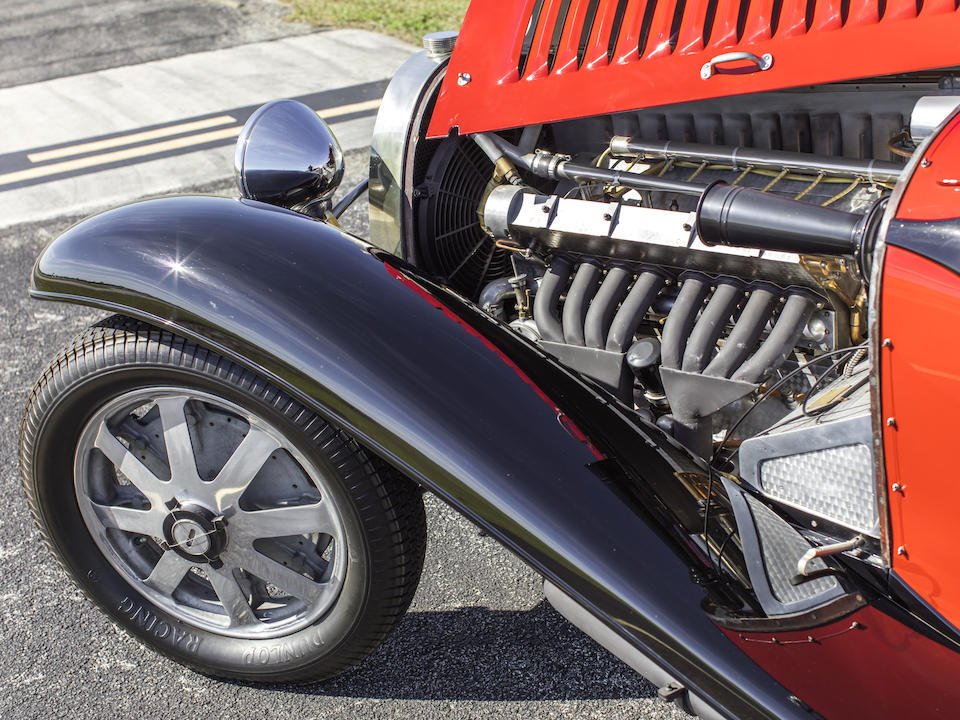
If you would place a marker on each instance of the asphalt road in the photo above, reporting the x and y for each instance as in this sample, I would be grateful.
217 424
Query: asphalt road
53 38
479 641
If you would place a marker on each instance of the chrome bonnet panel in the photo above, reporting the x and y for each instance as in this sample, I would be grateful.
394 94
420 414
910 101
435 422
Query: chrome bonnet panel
395 137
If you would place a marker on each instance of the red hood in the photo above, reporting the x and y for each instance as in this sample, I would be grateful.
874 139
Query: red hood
522 62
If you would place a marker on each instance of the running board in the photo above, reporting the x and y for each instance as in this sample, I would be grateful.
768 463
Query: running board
669 689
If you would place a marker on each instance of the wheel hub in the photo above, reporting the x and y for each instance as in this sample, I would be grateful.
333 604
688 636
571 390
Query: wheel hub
260 570
195 533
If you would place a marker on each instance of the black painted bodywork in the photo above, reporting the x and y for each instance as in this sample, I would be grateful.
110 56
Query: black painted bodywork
587 493
937 240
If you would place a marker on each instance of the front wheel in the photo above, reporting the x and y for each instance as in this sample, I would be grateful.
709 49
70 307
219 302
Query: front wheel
211 515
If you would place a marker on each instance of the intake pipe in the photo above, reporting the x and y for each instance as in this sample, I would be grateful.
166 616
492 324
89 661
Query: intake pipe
742 217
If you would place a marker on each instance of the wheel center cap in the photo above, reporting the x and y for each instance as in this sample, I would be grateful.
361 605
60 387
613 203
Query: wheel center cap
194 533
191 536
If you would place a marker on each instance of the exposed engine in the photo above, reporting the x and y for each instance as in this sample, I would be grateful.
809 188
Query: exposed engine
686 277
709 268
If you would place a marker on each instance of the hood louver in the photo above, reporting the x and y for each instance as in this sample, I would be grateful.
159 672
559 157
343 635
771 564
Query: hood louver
521 62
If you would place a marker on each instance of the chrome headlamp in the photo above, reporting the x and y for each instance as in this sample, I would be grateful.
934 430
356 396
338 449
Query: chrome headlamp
287 156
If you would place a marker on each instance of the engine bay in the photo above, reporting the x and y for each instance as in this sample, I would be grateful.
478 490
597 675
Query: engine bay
709 266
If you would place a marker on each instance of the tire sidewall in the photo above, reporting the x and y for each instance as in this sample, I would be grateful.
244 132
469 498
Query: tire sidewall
53 478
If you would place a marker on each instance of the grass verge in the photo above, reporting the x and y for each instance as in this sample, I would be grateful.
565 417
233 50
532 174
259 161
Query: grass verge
406 19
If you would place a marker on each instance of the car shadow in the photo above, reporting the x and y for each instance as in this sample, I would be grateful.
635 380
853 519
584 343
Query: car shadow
473 653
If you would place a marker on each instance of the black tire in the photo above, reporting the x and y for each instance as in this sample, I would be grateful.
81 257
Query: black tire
381 511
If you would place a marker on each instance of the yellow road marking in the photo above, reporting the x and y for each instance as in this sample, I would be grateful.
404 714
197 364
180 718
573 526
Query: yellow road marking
348 109
130 139
116 156
156 148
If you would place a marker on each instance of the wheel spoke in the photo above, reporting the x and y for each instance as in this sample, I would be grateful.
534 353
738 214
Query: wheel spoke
242 467
176 436
126 462
142 522
279 575
284 521
168 573
232 597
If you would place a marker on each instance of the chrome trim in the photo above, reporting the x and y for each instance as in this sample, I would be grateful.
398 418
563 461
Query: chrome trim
440 45
929 113
744 157
396 136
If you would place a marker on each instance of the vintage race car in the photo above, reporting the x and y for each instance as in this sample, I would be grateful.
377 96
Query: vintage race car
658 293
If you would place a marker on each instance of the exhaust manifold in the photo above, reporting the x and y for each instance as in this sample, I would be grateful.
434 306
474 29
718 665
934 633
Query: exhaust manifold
720 337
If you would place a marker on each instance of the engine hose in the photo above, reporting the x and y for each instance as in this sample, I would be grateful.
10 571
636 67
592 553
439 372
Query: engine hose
745 335
681 319
586 281
604 306
546 307
494 295
632 311
781 341
714 319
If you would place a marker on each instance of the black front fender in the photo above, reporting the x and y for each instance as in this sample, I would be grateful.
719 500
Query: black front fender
549 465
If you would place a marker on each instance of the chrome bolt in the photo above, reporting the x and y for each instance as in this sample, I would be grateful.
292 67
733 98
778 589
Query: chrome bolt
926 162
464 79
891 422
902 551
897 487
887 343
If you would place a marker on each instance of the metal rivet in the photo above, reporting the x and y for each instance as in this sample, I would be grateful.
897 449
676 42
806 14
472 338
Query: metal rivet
926 162
464 79
901 550
891 422
887 343
814 523
608 217
545 209
897 487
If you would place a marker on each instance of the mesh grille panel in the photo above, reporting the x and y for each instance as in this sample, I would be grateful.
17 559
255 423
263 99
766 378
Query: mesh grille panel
781 547
836 483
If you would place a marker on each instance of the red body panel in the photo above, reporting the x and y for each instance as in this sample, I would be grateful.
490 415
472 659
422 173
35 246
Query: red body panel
832 48
920 380
934 189
878 670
